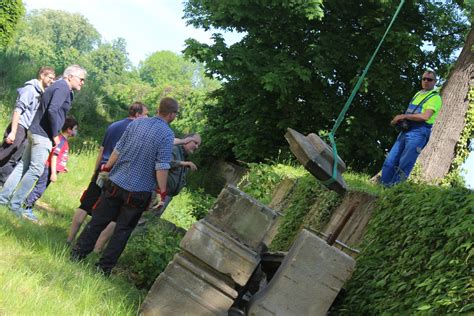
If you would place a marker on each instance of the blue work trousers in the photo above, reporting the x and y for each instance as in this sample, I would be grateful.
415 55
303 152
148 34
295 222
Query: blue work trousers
402 157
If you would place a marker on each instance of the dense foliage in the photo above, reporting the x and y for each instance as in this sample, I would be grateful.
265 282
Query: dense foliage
298 61
10 14
417 254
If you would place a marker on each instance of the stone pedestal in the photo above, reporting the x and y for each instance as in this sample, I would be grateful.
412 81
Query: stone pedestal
242 217
317 157
189 287
307 281
220 251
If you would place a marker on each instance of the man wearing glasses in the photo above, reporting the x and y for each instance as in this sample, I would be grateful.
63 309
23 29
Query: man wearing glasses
415 129
43 134
25 109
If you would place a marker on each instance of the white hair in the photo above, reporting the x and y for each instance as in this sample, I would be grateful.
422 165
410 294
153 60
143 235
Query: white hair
74 70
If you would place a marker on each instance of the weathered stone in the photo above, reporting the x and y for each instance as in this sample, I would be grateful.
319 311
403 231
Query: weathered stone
307 281
220 251
317 157
281 196
242 217
188 287
355 228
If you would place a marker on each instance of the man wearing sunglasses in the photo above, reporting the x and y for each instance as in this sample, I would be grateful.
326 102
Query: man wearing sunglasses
415 129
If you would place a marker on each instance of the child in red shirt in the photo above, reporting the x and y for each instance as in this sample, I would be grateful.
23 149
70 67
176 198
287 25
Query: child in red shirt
55 164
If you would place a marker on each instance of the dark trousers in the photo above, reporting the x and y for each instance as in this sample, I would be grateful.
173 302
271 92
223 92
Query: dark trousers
10 154
115 204
40 186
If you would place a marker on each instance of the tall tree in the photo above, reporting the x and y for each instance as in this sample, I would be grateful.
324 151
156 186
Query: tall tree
436 159
55 37
298 61
10 14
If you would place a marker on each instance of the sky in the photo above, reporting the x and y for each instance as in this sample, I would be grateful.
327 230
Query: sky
149 26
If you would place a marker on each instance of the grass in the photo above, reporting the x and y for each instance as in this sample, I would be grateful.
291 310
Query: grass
36 275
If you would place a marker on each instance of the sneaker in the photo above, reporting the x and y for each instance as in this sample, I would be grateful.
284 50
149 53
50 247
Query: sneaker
28 214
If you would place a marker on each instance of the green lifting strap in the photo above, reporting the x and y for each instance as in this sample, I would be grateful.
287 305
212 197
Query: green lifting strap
351 97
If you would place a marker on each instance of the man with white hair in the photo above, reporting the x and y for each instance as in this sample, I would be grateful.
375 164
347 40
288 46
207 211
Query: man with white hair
42 135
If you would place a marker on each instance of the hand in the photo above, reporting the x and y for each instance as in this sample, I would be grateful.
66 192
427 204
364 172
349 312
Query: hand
66 170
397 118
10 138
190 165
154 202
53 177
190 139
102 178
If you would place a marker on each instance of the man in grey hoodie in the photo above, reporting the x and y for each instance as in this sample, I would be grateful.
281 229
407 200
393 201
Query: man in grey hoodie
15 137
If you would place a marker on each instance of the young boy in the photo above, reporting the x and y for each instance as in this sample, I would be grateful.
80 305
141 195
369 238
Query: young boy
55 164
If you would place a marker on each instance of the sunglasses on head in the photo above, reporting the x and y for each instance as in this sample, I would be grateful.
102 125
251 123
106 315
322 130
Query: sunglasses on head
428 79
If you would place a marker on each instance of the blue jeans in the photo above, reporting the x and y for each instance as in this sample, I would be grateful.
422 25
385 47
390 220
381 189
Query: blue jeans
26 173
41 186
402 157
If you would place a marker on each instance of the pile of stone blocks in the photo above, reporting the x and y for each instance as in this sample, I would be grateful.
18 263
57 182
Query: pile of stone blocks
318 158
219 255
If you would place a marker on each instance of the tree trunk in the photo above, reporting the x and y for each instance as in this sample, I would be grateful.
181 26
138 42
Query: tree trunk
436 158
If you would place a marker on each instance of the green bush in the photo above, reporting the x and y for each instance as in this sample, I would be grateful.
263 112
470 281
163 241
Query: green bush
201 204
416 255
149 251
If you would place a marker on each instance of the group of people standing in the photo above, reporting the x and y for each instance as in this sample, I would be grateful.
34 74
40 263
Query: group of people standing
139 156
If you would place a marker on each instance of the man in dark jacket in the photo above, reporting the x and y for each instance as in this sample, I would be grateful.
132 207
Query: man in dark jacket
44 132
27 103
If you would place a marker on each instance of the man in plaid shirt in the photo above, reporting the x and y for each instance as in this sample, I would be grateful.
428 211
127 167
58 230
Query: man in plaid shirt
138 165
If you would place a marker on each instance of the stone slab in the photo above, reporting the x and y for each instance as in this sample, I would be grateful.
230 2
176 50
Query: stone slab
316 156
220 251
242 217
355 228
188 287
307 282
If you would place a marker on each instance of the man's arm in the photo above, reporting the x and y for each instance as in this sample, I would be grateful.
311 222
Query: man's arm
182 141
188 164
112 160
162 178
53 176
420 117
15 119
99 158
57 100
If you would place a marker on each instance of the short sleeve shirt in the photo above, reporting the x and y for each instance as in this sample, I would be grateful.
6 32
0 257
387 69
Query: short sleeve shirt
61 150
434 103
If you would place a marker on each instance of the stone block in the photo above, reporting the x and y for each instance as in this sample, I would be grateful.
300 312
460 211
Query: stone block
242 217
355 228
307 282
317 157
188 287
220 251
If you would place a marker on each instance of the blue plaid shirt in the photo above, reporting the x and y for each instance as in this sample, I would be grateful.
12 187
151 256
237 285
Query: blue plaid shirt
145 146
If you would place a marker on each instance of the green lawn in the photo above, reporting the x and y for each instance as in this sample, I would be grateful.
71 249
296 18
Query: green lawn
36 275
